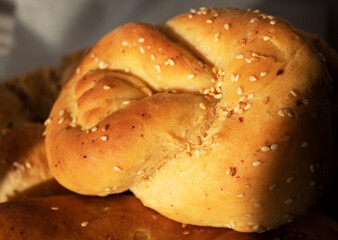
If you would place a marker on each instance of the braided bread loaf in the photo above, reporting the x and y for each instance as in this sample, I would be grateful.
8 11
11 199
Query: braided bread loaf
218 117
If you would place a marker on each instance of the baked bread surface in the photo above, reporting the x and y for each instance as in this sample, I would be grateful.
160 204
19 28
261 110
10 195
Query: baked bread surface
124 217
217 117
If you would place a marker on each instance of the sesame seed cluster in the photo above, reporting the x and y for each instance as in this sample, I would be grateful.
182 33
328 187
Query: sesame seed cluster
210 119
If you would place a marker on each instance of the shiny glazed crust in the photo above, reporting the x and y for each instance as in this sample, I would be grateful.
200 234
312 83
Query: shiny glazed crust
219 117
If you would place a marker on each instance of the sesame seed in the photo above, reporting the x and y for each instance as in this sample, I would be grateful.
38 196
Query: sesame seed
236 108
141 40
289 112
96 59
158 68
171 62
255 228
312 168
250 96
281 113
227 26
61 112
256 163
55 208
78 70
103 65
248 60
240 195
239 91
218 96
84 224
190 16
272 187
248 215
202 105
125 102
263 74
104 138
266 38
117 169
247 106
48 121
220 83
288 201
60 121
304 144
216 35
240 111
286 138
290 179
186 232
28 165
274 146
104 128
190 76
141 49
240 56
293 93
265 148
273 22
252 20
124 43
231 171
241 99
232 224
93 129
247 186
254 54
209 21
306 101
258 205
152 56
252 78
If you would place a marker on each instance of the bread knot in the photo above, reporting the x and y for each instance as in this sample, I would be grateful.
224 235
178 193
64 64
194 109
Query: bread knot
217 117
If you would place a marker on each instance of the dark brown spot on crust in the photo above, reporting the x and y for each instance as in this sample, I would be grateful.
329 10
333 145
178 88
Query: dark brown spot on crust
232 171
266 100
280 72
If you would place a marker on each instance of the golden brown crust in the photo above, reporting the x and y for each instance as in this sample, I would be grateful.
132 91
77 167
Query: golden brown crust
210 119
124 217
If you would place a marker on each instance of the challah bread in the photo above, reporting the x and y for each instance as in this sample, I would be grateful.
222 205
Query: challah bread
124 217
217 117
22 148
25 102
